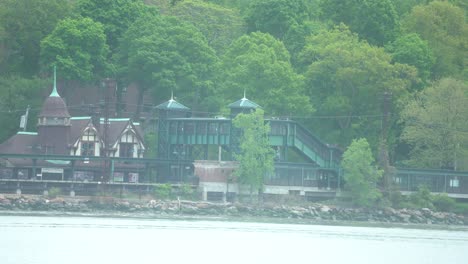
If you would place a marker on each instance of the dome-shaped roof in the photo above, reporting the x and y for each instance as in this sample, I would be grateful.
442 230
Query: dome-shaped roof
54 106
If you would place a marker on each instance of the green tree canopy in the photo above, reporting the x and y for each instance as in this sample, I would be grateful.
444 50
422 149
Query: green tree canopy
259 64
436 126
115 15
403 7
220 25
360 173
342 72
163 54
78 48
443 26
25 23
290 21
374 20
16 93
412 50
256 157
276 17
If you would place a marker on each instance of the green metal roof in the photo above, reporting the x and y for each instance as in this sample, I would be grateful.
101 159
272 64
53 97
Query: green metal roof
172 105
59 162
80 118
244 103
27 133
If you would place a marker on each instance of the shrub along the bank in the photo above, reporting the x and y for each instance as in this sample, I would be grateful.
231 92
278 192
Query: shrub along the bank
423 198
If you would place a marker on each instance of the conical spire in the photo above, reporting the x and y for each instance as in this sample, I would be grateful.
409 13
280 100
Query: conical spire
54 91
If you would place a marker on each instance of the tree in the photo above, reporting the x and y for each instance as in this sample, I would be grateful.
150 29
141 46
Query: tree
165 54
276 17
259 64
25 24
16 93
256 157
220 25
360 173
403 7
444 27
78 48
412 50
373 20
290 21
341 72
115 15
436 126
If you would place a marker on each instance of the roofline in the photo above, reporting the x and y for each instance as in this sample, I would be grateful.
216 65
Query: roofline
80 117
27 133
114 120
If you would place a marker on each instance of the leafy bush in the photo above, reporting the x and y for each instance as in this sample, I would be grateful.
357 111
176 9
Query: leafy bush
422 198
163 191
443 203
54 192
461 208
186 191
395 198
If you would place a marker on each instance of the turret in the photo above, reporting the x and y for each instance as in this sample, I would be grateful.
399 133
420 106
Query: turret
54 124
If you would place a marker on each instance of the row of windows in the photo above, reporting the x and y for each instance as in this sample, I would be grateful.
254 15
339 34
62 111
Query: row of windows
214 128
201 128
126 150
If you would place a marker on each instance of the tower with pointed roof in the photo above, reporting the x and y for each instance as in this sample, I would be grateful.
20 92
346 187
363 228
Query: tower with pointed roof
168 109
172 109
243 105
54 124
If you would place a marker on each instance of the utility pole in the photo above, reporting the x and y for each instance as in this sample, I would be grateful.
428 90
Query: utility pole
384 161
108 85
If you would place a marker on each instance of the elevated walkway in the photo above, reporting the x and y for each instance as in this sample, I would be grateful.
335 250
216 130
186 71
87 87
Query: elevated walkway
284 134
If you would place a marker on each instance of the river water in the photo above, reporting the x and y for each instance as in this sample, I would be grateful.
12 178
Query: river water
44 239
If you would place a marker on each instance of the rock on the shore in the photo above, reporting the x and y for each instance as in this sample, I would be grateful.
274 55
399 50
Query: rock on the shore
313 212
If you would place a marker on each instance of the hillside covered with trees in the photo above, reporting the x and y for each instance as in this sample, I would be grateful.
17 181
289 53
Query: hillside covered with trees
391 71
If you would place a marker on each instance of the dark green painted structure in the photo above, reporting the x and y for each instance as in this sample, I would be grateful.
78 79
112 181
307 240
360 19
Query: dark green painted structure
183 139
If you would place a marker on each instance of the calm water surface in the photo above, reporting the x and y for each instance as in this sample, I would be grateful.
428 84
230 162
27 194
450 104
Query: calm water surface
33 239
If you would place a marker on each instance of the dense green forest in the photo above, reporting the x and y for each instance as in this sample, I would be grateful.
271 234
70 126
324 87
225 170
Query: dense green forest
391 71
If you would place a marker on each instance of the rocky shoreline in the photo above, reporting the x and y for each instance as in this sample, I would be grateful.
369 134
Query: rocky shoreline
315 212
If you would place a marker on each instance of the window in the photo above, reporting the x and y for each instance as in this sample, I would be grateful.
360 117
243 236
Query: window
189 128
88 143
454 183
55 121
49 149
213 128
224 129
126 150
87 148
294 192
201 128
